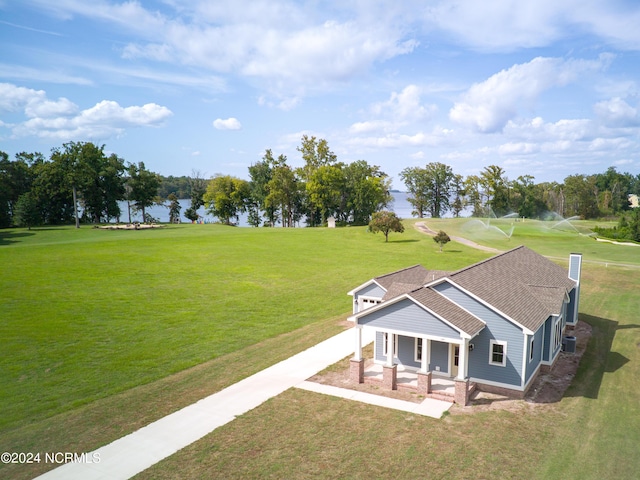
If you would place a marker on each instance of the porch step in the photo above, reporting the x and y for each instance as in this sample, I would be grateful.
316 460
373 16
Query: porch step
441 396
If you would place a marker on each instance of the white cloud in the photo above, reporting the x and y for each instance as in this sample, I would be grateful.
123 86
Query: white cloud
371 126
62 119
227 124
289 48
509 25
404 106
617 112
489 105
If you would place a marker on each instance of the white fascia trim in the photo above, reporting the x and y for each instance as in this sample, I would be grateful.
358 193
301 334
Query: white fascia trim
365 284
525 357
375 308
457 341
497 384
488 305
407 296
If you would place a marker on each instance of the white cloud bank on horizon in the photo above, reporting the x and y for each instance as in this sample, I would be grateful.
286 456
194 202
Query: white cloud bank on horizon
63 120
230 123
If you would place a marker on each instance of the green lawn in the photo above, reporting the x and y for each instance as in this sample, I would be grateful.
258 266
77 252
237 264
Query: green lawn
95 323
88 313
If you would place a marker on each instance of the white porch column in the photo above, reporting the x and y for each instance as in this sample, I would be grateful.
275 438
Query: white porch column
390 344
423 360
463 362
358 350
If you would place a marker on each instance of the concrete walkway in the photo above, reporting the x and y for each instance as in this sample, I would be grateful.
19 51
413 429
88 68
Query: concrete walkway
143 448
429 407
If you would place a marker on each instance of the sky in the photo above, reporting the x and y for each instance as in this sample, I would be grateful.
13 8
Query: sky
545 88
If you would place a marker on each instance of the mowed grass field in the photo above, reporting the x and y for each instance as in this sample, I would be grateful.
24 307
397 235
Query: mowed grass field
103 332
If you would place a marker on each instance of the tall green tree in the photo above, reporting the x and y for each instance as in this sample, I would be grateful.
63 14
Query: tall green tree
143 186
26 212
429 188
225 197
315 154
528 198
367 191
474 195
285 193
458 193
96 181
5 190
613 190
439 182
326 189
261 174
174 208
581 193
496 188
197 188
415 180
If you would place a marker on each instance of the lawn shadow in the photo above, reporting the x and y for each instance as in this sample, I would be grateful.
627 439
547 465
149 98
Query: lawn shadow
404 241
7 237
598 358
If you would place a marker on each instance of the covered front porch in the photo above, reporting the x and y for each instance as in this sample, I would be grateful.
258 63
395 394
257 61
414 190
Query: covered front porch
443 377
442 388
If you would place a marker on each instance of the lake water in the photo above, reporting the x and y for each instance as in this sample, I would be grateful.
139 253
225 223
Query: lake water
400 206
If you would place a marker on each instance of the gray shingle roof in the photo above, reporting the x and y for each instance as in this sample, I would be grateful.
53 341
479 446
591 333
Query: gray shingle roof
448 310
520 283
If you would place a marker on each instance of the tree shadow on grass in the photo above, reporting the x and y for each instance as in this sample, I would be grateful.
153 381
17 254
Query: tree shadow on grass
598 358
403 241
7 237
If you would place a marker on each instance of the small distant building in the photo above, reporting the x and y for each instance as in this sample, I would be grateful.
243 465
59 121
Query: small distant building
633 201
331 222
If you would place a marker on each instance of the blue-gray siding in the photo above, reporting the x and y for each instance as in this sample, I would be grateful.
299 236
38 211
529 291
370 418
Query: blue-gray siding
531 366
497 328
439 356
405 354
408 317
372 290
406 351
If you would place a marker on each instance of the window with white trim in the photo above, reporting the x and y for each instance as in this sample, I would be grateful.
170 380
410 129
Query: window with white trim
558 334
497 353
418 350
531 349
385 337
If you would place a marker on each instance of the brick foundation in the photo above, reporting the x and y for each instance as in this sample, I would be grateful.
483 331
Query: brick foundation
356 371
390 377
506 392
424 383
462 392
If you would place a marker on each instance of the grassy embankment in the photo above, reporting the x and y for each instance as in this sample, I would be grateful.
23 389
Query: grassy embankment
591 433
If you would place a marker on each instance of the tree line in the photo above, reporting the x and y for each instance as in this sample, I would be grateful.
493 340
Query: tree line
435 190
80 183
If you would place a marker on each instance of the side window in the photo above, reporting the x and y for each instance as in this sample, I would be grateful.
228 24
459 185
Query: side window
531 349
498 353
